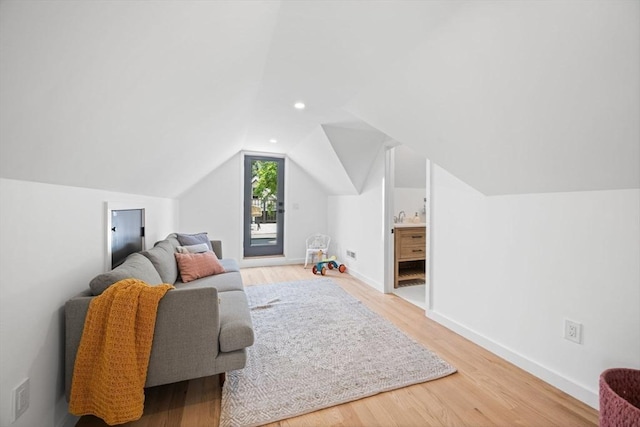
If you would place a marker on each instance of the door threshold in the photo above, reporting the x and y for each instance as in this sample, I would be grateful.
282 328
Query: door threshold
263 256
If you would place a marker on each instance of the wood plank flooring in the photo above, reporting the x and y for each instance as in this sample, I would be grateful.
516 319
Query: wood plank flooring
486 390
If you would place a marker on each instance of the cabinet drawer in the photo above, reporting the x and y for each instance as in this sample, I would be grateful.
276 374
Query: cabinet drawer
412 238
412 252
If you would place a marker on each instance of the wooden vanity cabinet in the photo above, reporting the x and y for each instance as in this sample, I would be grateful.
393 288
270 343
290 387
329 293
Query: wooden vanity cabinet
410 250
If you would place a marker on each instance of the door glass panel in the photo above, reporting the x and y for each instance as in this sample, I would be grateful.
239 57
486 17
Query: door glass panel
264 206
126 234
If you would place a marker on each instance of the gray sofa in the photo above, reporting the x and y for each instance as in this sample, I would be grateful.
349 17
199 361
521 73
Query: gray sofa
202 327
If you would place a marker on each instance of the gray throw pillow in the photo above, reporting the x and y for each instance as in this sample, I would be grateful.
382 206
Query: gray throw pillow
193 249
193 239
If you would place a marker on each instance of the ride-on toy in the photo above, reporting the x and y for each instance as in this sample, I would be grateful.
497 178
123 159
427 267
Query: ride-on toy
330 263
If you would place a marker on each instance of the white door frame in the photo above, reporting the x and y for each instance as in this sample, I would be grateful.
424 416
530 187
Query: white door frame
429 229
389 185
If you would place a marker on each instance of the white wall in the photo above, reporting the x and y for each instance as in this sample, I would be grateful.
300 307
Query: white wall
356 224
411 201
410 177
52 244
214 205
507 271
306 207
410 168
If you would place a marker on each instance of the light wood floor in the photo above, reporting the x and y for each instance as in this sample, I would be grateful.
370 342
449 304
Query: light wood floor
486 390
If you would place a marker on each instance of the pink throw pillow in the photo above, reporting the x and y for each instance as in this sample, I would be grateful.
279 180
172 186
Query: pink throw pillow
195 266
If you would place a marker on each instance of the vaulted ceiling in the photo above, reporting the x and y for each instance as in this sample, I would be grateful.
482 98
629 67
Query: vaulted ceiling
149 97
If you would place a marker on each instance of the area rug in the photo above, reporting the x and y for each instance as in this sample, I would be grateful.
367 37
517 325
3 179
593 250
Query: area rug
317 346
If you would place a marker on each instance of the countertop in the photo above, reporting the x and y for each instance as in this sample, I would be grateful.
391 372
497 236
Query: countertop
409 224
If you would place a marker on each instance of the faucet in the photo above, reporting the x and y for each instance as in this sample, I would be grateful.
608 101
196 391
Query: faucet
401 216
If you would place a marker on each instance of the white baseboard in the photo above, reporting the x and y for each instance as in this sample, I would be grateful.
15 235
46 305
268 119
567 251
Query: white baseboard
369 281
281 260
268 261
557 380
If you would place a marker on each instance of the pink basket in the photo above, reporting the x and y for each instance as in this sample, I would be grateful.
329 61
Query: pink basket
620 398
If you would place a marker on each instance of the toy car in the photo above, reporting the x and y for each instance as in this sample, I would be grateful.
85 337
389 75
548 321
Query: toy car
330 263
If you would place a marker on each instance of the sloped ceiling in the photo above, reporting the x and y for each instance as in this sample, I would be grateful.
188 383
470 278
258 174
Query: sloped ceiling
340 155
521 97
357 146
149 97
138 97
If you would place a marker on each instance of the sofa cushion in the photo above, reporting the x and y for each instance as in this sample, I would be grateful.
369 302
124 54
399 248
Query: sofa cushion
225 282
195 266
236 328
135 266
194 239
229 264
161 256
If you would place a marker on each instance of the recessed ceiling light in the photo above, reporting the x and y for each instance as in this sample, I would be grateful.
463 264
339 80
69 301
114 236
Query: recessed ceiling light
273 141
299 105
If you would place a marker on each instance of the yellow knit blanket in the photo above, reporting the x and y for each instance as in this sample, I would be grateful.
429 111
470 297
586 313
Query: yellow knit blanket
112 360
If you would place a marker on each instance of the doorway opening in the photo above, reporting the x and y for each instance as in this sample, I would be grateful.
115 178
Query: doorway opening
407 206
263 221
125 230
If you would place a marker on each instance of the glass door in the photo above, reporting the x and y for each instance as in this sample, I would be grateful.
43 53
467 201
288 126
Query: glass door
263 206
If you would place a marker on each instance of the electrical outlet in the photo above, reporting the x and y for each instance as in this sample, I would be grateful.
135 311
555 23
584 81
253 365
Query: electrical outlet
20 399
351 254
573 331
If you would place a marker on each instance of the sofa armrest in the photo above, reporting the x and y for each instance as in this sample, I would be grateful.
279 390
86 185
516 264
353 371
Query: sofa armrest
185 341
217 247
75 311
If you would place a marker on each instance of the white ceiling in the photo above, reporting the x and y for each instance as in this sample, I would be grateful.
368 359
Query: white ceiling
521 97
149 97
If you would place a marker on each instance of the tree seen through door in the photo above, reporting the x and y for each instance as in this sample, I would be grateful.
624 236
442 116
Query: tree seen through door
265 188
